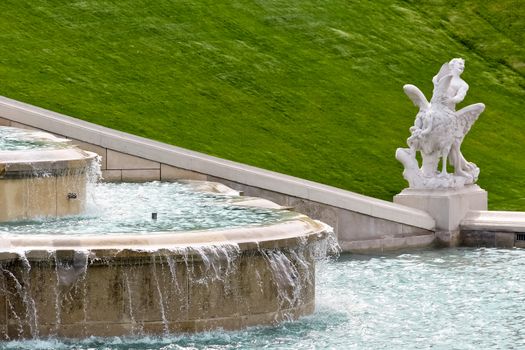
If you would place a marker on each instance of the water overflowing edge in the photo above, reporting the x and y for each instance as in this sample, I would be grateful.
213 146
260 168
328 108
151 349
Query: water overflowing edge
219 260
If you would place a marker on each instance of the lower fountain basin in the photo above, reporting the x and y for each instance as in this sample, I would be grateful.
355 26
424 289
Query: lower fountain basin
142 259
92 285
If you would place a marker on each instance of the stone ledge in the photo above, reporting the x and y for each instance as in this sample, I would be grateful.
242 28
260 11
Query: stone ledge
507 221
281 234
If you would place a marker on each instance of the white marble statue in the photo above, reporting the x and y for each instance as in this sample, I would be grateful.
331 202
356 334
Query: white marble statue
438 132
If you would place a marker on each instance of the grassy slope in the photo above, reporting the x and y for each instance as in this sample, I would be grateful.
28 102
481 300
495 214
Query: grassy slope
308 88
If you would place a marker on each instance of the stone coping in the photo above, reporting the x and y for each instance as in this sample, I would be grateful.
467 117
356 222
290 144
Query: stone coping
291 232
15 164
483 220
45 155
217 167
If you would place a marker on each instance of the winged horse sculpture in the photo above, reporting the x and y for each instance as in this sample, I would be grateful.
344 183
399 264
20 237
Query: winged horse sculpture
438 132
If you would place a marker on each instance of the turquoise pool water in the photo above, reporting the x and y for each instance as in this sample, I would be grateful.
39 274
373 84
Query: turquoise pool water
127 208
15 139
438 299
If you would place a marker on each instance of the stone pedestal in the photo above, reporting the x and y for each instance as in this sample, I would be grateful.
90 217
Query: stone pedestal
447 206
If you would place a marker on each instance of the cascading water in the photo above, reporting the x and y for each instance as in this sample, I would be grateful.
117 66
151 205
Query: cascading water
205 262
155 291
42 175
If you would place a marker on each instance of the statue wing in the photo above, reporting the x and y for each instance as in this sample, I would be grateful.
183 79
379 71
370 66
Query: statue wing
466 118
416 96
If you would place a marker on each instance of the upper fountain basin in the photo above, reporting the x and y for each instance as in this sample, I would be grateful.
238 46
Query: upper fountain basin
29 153
46 162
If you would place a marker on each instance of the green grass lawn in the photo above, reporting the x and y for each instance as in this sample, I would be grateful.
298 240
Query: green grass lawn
303 87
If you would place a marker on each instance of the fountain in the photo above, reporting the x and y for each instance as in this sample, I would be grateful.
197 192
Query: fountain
40 175
74 269
139 269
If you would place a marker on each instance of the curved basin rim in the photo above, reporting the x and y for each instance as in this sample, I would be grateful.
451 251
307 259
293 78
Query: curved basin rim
285 233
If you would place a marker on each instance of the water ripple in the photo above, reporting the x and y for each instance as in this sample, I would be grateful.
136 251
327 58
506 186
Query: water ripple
438 299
